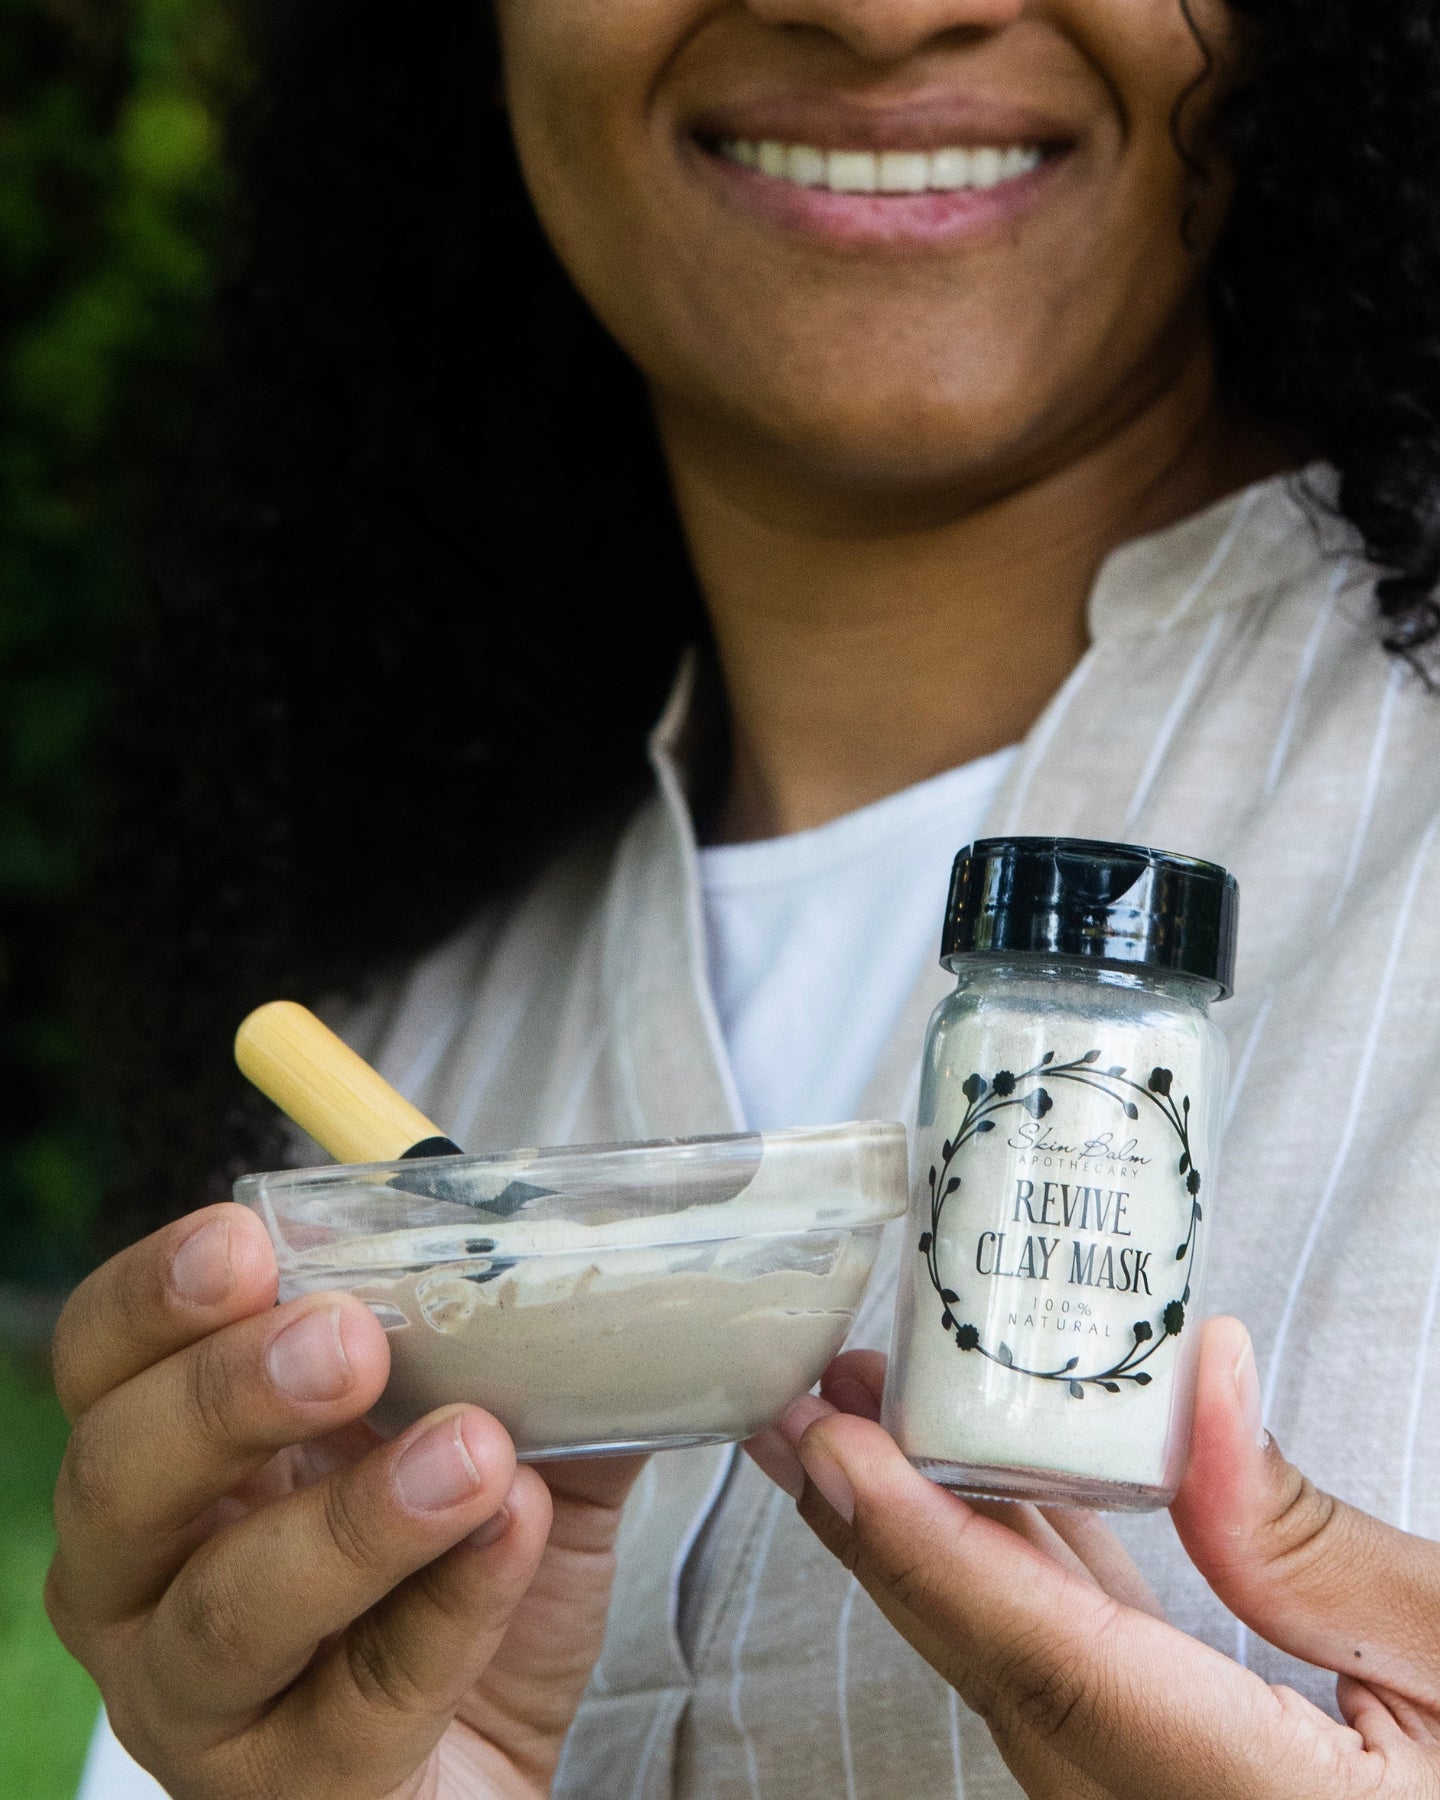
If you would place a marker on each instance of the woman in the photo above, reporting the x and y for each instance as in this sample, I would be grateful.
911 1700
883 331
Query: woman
984 341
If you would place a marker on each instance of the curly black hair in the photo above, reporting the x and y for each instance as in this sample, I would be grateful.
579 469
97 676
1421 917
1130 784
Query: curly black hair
1324 286
427 587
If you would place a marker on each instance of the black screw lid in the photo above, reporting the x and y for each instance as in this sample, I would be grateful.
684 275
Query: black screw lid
1115 903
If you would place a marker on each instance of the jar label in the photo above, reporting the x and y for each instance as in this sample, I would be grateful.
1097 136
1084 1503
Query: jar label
1064 1222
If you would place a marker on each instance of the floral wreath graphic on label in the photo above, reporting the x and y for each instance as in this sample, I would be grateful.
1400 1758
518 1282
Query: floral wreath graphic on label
1026 1093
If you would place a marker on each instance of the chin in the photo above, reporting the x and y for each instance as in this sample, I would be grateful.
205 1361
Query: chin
897 442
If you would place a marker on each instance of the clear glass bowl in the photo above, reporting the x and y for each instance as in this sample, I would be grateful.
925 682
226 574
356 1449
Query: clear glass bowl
602 1299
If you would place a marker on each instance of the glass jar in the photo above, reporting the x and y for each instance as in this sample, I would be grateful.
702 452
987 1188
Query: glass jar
1068 1133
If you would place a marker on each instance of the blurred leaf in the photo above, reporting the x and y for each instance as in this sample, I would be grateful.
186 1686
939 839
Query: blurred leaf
166 140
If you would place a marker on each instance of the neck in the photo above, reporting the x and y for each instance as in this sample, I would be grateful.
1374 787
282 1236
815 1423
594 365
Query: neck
870 643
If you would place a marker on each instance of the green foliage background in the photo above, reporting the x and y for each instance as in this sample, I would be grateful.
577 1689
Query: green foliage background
111 200
111 185
47 1702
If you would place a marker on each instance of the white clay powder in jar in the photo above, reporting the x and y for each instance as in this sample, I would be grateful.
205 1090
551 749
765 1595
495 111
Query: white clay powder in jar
1064 1161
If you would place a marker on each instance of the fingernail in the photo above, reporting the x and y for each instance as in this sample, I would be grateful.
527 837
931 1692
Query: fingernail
797 1418
773 1457
830 1480
437 1470
200 1270
491 1531
308 1361
1247 1392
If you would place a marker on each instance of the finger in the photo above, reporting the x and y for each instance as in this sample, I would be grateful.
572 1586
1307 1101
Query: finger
247 1612
1044 1774
554 1641
855 1383
1389 1721
1037 1765
147 1460
599 1484
1042 1654
383 1694
1105 1558
777 1458
161 1294
1320 1579
1030 1523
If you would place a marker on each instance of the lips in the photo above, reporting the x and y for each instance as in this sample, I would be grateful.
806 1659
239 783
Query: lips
881 171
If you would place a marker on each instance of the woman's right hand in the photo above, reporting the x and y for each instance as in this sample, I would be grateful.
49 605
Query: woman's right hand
272 1601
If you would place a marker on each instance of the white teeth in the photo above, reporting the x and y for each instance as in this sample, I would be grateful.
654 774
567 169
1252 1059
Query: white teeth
904 172
886 171
952 169
990 167
852 171
805 166
771 158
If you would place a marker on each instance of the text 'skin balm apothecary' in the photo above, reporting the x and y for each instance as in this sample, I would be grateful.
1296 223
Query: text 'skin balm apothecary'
1065 1156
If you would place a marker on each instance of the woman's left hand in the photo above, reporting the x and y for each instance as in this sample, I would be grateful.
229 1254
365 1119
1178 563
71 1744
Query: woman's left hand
1058 1647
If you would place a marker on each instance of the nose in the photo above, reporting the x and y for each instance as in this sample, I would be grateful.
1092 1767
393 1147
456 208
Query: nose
889 30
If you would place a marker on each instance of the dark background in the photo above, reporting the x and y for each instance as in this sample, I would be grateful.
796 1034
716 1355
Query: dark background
112 225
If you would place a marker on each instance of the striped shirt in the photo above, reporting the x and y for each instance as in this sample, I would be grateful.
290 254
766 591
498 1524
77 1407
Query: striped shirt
1234 704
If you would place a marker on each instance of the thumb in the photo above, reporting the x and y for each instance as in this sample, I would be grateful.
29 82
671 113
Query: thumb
1317 1578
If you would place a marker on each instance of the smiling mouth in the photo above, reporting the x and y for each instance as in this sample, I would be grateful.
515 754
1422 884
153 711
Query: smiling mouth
944 171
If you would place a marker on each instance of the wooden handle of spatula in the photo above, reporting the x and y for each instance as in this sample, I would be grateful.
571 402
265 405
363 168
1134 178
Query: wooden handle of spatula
317 1080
